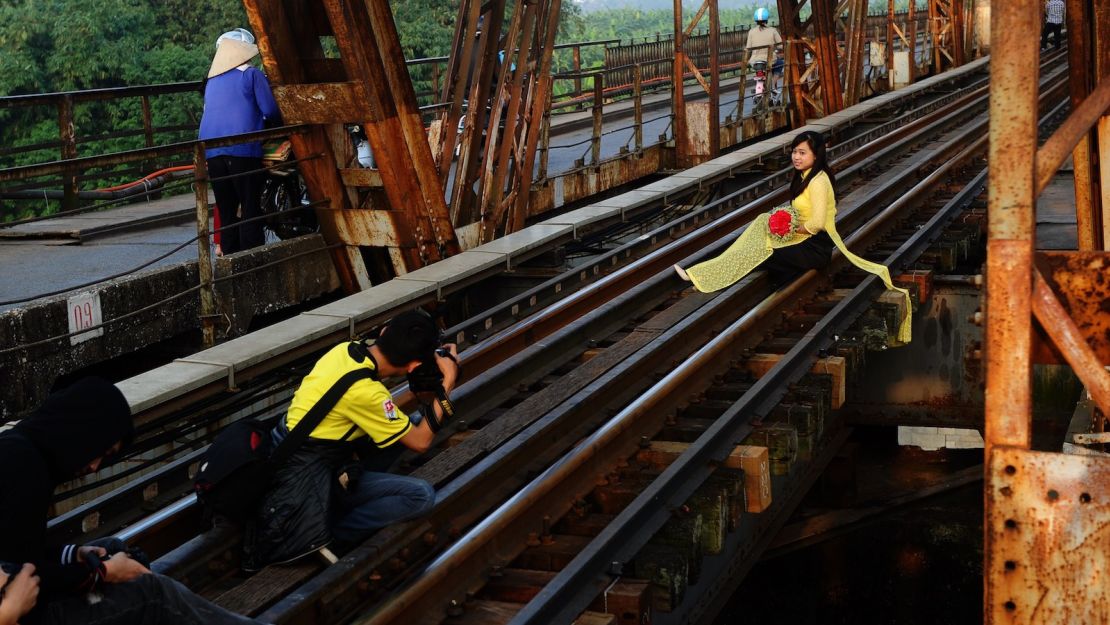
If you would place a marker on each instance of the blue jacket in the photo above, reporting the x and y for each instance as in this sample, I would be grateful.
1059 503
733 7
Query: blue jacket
236 102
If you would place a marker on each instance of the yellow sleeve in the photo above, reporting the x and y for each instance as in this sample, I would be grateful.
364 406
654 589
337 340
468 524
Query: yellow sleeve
375 413
820 193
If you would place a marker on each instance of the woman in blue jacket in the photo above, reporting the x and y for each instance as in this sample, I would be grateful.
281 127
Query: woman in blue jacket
237 99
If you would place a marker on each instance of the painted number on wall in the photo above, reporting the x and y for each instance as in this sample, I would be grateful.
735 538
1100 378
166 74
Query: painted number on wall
84 313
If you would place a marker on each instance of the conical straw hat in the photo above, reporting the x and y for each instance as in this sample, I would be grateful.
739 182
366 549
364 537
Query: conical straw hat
231 54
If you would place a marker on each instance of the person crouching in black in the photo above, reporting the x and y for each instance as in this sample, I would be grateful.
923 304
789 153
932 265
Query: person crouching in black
70 435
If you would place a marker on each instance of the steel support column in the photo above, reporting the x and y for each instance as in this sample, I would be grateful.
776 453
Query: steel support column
678 98
286 64
824 35
369 84
1046 513
853 71
946 23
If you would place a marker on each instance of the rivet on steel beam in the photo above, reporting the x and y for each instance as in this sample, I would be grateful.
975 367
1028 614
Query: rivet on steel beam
430 538
533 539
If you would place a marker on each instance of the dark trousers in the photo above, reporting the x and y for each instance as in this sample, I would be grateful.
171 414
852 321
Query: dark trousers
243 191
1056 34
149 599
787 263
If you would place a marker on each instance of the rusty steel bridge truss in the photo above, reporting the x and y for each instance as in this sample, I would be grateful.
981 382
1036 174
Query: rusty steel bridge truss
340 62
1047 549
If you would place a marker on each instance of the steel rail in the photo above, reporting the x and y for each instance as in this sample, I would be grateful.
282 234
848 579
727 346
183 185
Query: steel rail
509 383
350 570
158 519
575 586
468 543
551 493
460 545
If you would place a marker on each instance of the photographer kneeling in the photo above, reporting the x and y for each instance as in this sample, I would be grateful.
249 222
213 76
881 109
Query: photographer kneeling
316 494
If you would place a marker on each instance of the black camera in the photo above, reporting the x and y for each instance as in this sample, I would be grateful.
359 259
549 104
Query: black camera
428 378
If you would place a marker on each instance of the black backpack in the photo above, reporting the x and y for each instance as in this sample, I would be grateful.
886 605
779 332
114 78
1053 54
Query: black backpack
236 471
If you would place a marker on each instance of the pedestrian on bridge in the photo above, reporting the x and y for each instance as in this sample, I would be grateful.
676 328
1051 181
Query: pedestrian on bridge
71 435
237 100
1053 23
794 238
761 40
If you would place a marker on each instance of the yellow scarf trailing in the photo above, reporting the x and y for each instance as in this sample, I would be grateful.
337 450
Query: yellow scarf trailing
756 245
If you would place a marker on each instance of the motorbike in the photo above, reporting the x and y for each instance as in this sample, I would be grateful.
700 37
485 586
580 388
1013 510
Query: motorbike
284 194
775 98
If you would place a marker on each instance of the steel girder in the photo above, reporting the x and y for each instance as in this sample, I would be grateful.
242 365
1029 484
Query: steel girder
1046 513
399 207
947 19
815 85
686 154
508 107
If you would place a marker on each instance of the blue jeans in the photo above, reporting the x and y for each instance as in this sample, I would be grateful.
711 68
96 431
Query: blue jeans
381 499
376 500
149 599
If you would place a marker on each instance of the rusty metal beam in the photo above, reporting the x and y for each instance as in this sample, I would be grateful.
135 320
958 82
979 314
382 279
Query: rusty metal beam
1071 342
371 53
1046 513
824 35
1077 279
853 71
1077 126
1013 144
538 118
1088 201
678 98
282 60
793 32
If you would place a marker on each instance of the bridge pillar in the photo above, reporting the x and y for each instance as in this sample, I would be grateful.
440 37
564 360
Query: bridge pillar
697 126
1046 512
398 207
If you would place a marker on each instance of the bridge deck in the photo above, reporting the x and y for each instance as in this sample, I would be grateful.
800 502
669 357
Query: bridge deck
155 387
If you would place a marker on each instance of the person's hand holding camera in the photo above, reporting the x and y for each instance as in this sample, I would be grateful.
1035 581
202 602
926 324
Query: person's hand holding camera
447 359
121 567
19 594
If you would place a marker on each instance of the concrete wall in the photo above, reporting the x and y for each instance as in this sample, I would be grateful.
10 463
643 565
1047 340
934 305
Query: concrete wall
301 270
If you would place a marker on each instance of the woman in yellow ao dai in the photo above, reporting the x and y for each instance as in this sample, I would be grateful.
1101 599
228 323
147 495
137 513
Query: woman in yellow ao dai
809 247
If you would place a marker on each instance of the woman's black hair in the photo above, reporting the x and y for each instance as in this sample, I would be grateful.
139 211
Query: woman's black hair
816 143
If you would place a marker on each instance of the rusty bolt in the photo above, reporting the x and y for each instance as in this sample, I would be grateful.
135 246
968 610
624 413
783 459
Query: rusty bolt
533 539
430 538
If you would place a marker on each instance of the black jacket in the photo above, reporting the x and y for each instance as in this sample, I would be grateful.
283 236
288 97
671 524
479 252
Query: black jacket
294 518
72 428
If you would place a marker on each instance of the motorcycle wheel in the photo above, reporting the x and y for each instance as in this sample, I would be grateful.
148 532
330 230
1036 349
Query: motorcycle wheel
280 196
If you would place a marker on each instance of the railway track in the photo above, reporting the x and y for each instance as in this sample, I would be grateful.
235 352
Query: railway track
630 345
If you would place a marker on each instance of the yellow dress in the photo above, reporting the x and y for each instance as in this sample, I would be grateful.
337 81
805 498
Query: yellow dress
756 245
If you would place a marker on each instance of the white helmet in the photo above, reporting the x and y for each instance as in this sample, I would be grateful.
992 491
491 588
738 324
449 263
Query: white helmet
762 15
239 34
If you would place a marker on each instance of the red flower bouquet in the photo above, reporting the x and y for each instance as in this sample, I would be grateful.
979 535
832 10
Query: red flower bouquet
782 223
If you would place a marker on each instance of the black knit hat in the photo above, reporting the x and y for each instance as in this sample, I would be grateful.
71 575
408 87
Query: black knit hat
407 337
78 424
